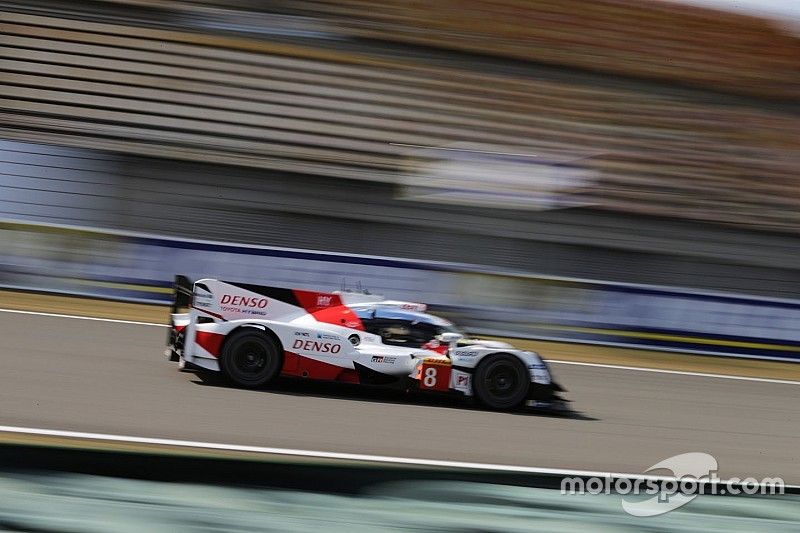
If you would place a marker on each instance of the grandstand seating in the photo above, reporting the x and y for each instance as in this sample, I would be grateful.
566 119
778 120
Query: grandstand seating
667 40
243 101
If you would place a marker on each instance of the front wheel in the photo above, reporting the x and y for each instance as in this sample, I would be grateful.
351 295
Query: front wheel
501 381
251 359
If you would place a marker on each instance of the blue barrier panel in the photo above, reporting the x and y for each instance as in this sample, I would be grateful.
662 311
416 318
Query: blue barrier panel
140 268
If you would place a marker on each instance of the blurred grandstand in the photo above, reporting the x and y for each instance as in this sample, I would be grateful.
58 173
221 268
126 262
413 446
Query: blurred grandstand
669 115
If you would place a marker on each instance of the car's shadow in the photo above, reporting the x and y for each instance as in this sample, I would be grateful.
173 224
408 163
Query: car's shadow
346 391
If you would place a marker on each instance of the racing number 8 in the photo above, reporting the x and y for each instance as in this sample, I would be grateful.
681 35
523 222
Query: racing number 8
435 376
429 380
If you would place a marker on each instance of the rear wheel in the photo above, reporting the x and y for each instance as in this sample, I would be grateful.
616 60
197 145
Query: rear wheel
501 381
251 358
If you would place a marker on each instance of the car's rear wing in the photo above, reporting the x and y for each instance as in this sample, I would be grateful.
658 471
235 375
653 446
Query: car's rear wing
181 301
181 293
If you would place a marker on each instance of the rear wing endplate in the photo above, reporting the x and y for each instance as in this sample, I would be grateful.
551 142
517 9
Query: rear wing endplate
181 293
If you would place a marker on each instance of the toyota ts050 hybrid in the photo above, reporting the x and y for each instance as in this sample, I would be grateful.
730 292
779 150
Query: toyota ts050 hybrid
254 334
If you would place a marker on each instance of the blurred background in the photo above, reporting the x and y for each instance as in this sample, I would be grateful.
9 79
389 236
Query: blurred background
612 142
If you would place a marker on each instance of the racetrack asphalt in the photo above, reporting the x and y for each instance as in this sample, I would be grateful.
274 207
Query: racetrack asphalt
105 377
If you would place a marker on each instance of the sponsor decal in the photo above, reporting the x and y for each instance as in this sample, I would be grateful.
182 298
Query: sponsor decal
324 301
302 334
243 304
384 359
328 336
316 346
465 353
243 301
461 381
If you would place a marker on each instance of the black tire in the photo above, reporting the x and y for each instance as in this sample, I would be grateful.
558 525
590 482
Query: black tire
501 381
251 359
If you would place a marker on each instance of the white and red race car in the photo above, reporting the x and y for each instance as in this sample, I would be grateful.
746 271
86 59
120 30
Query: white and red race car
255 334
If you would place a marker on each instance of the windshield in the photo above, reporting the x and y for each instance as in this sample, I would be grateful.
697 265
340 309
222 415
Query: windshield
405 328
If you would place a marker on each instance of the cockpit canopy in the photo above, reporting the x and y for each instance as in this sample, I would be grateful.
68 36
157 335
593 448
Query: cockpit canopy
401 327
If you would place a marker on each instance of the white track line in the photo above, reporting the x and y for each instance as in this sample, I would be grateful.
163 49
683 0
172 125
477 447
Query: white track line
327 455
555 361
679 372
287 451
78 317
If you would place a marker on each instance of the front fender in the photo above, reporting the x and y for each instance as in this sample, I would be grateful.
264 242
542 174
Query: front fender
469 357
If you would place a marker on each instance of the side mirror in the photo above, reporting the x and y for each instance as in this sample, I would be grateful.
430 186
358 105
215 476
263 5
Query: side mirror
449 337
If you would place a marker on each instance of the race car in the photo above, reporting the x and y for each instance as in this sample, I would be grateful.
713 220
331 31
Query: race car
256 334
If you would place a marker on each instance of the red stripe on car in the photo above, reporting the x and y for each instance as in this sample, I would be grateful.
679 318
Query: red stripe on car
210 342
299 366
215 315
328 308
